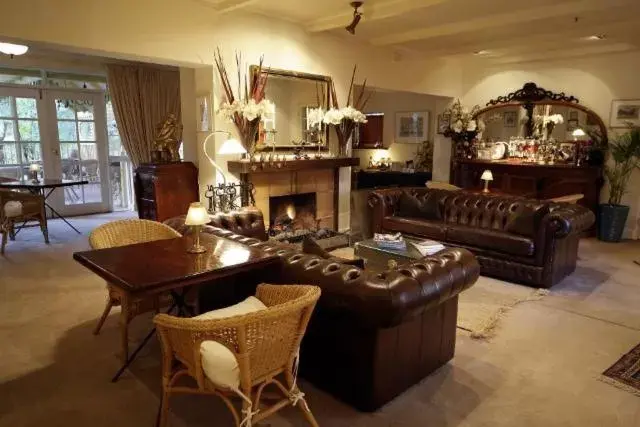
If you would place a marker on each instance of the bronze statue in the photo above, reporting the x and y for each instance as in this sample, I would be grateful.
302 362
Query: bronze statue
168 139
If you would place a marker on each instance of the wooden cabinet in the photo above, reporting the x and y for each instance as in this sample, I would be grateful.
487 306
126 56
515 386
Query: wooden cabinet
533 180
165 190
371 134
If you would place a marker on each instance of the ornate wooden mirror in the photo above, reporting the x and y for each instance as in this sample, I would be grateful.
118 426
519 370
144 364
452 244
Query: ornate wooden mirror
520 114
294 94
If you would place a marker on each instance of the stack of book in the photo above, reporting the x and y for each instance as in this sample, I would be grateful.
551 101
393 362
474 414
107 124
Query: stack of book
390 241
427 247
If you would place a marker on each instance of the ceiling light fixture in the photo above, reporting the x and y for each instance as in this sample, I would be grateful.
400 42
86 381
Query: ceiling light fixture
597 37
481 52
13 49
357 16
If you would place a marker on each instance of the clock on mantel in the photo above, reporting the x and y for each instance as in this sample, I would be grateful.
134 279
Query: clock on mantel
371 134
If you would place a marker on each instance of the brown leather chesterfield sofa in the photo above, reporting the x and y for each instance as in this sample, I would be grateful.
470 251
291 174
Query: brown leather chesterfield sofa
372 336
520 240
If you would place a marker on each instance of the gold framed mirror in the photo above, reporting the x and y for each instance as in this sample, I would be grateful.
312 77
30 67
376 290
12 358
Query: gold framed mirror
294 95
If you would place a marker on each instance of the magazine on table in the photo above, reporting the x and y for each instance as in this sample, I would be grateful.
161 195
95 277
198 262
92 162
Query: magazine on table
427 247
390 241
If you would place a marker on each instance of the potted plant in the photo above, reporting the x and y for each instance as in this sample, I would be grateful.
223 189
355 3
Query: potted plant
625 156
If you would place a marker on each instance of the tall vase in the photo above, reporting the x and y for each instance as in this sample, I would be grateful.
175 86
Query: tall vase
343 144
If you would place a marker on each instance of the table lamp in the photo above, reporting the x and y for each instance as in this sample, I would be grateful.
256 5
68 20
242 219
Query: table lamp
34 168
578 133
230 146
197 216
486 177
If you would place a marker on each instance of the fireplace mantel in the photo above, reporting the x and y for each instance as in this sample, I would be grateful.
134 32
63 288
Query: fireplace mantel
243 166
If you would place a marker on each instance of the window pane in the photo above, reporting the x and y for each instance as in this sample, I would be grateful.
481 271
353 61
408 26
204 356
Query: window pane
27 108
73 195
87 131
28 130
6 130
88 151
31 153
67 131
64 110
6 106
8 154
70 159
92 193
85 110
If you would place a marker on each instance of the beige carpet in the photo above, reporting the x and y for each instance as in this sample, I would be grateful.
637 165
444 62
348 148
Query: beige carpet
540 369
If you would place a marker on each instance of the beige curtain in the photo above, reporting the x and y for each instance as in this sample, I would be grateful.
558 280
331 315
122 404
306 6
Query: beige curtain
142 96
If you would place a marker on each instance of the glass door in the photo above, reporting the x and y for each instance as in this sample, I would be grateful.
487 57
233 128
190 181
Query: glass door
77 123
20 143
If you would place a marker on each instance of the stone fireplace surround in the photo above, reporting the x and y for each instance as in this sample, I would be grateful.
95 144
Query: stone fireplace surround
319 181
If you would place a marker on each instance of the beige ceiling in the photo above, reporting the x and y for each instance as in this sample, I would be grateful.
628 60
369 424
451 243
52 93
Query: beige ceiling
509 30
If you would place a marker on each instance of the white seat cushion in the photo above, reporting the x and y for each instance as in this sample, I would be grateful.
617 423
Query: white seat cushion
218 362
12 208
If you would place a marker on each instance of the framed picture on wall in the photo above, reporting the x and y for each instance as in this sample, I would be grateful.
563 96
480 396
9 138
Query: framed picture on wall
510 119
572 124
573 115
204 114
625 112
444 120
412 127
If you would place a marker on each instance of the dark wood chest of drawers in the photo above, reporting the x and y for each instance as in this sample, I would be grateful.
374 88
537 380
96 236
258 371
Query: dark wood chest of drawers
165 190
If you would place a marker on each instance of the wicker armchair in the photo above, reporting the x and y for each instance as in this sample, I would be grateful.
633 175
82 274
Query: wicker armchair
18 207
122 233
265 344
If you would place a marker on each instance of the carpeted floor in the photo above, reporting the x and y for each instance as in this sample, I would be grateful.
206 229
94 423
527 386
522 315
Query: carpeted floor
540 369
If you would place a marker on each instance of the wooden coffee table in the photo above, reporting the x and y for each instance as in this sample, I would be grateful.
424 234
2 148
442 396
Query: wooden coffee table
380 259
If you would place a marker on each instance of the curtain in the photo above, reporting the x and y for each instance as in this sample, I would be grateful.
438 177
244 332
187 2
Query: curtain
142 97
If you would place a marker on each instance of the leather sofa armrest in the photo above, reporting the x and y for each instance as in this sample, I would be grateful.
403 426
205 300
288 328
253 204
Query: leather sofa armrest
383 204
565 219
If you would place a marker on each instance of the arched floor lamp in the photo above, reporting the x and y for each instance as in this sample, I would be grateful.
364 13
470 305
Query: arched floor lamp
229 146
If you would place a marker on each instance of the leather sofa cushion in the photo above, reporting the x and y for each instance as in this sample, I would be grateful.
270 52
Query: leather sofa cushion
410 206
491 239
429 229
527 219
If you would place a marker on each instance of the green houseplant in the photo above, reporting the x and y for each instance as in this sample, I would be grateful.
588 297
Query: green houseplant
625 158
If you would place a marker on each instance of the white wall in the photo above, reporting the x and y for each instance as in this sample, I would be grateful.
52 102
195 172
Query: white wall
187 33
392 102
594 81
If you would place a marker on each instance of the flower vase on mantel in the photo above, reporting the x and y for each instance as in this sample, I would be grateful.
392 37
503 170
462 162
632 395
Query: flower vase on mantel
343 145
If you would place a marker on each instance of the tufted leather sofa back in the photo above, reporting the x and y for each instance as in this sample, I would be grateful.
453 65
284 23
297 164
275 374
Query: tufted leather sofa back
476 210
247 222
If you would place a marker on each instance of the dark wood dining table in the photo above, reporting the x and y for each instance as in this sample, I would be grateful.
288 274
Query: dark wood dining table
44 187
147 269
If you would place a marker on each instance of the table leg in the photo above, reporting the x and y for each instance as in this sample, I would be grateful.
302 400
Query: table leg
182 309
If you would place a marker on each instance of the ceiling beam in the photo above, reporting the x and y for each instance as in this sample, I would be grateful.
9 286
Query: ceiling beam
480 23
372 12
225 6
565 53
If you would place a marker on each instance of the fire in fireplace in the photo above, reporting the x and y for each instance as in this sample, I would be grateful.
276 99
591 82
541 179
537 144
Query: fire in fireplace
293 214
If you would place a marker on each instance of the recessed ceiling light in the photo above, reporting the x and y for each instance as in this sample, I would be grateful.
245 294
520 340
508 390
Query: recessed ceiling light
13 49
596 37
481 52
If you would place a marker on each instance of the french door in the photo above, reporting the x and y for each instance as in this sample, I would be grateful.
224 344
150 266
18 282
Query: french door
76 149
64 131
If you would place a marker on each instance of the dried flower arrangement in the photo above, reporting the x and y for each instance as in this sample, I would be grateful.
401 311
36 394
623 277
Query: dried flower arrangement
249 106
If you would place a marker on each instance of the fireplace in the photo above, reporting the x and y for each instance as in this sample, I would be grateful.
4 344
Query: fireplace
292 215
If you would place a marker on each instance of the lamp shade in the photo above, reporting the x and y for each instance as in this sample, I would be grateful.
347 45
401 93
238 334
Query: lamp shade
487 175
197 214
13 49
578 132
231 146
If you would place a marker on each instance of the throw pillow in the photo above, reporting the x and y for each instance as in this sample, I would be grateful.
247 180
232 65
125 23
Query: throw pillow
526 220
218 362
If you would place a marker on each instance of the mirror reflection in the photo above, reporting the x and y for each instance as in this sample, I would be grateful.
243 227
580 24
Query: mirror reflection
294 95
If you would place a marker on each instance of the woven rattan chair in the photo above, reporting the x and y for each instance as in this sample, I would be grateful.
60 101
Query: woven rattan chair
122 233
17 207
265 344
